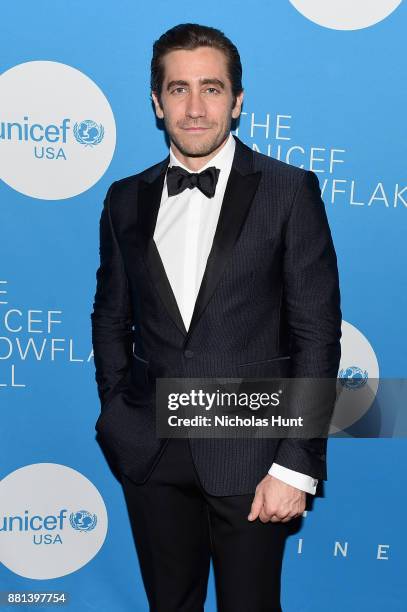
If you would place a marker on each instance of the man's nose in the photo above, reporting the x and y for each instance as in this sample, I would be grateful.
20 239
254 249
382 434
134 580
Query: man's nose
195 106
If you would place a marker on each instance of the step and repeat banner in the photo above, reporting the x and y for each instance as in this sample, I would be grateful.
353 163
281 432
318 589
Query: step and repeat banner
325 89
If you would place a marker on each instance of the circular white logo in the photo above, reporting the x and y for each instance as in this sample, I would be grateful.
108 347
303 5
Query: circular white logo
345 14
358 378
53 521
57 130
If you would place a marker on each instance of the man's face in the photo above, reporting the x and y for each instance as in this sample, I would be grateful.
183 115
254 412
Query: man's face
196 101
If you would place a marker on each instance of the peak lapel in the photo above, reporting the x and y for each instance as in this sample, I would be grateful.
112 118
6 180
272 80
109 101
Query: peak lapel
240 191
149 198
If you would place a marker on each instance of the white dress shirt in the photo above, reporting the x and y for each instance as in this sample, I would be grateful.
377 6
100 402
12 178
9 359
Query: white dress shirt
184 232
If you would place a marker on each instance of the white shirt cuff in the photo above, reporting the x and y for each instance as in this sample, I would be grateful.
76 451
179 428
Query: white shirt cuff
295 479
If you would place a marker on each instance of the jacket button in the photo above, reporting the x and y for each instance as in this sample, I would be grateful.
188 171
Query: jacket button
188 353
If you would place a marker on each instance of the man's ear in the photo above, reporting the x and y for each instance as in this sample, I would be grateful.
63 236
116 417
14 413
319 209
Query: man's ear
158 110
237 109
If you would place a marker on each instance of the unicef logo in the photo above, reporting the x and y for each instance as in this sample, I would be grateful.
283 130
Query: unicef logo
345 14
42 535
357 387
83 520
54 145
353 377
88 132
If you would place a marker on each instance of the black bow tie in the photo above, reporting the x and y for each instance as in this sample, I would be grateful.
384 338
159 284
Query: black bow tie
179 179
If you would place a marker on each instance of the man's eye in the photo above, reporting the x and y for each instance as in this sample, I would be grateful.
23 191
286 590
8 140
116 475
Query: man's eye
212 90
178 90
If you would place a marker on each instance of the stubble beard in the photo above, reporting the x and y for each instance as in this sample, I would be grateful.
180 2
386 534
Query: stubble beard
200 149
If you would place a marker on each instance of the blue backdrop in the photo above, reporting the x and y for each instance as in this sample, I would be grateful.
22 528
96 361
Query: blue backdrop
327 98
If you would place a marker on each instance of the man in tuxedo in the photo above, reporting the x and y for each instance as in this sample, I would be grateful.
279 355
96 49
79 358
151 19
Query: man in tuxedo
216 262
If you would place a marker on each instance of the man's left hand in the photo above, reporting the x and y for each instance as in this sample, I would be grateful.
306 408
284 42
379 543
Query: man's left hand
276 501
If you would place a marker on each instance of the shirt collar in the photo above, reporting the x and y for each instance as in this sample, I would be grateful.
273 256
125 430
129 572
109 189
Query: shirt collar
221 160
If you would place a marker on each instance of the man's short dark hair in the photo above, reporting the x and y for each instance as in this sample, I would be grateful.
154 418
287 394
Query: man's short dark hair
190 36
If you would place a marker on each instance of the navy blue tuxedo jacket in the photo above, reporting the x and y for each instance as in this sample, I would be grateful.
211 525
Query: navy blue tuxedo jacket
268 306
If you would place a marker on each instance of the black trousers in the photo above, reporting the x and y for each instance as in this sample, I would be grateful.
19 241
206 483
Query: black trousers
178 527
